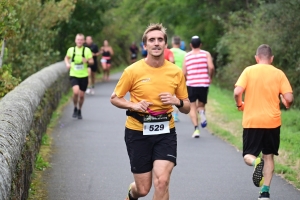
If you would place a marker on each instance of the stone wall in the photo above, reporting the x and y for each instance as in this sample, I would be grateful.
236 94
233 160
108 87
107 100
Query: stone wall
24 115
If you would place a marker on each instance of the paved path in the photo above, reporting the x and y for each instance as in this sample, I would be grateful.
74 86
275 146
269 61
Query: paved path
90 161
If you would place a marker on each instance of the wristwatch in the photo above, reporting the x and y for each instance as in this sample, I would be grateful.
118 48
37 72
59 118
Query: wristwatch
181 104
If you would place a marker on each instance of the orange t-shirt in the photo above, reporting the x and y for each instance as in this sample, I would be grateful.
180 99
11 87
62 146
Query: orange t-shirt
146 83
263 84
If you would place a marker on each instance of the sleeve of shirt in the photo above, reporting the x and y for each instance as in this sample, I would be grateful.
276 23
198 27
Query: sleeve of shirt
88 53
70 52
124 85
181 91
242 81
285 86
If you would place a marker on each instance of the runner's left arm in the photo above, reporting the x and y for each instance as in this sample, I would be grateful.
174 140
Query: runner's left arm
88 57
211 67
111 51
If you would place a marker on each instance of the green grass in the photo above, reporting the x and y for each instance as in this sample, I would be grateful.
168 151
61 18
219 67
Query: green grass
225 122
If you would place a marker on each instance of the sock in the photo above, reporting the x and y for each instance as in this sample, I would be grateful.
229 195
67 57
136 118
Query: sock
265 188
253 163
196 127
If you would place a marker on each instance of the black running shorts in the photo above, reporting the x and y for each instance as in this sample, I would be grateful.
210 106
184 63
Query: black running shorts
198 93
143 150
81 82
265 140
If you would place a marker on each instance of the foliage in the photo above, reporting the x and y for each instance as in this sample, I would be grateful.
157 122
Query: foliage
31 48
246 30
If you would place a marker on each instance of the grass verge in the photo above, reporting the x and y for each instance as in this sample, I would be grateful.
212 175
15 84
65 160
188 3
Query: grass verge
226 122
37 189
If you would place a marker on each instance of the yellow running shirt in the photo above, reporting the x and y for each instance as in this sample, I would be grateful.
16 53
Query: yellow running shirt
146 83
262 83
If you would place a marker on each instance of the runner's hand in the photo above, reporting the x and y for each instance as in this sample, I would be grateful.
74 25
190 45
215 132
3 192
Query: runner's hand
141 106
84 60
241 108
168 99
68 65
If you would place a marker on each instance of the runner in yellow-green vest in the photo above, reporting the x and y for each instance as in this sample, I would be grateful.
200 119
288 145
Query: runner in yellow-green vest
77 60
178 58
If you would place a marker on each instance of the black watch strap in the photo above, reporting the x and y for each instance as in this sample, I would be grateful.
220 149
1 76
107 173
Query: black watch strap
181 104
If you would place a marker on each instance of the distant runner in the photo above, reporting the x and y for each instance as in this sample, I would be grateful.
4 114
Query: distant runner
134 52
178 58
77 60
155 85
143 50
92 68
263 84
168 55
198 68
107 52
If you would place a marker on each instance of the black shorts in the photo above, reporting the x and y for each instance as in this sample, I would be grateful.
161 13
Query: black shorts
81 82
143 150
198 93
265 140
94 67
133 56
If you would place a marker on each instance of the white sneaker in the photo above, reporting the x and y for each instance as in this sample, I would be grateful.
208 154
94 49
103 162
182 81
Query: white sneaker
92 91
203 119
88 91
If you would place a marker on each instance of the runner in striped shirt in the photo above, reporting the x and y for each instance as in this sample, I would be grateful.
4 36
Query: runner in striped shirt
198 69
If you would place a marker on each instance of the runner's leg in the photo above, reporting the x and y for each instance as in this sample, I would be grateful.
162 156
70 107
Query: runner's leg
162 170
75 95
268 168
193 113
141 185
90 80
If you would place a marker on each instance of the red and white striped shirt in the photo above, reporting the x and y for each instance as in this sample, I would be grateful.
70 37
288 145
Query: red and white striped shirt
197 69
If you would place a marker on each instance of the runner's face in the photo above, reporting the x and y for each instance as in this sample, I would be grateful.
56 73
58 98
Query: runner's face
155 43
89 40
79 40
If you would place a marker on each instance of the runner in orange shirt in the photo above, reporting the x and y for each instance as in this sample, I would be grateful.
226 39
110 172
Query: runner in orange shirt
262 84
155 85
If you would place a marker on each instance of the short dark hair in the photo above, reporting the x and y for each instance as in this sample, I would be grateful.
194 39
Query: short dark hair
155 27
196 41
264 51
176 40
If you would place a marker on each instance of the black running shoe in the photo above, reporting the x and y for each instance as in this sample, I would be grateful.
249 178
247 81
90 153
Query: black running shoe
75 113
258 177
264 196
79 114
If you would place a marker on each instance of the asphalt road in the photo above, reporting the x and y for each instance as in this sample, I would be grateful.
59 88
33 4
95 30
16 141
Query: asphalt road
90 161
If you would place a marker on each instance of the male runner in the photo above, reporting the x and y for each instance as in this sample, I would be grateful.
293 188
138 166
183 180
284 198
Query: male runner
133 52
92 68
198 68
150 134
178 59
262 84
77 60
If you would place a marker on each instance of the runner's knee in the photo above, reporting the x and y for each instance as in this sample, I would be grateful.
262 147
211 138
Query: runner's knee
143 191
161 183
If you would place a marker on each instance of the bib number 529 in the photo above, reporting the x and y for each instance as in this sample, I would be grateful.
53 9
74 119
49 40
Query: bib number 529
157 127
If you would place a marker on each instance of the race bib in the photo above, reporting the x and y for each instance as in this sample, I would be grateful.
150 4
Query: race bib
103 60
133 55
79 66
155 125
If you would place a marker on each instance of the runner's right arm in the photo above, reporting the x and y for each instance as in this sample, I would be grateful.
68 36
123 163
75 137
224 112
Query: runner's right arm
67 59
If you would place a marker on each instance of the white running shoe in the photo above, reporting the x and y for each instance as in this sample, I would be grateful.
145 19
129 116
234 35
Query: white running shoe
92 91
88 91
203 119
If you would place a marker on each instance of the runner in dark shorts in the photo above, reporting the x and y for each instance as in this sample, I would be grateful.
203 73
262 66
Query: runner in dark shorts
94 67
133 52
77 60
150 134
262 84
